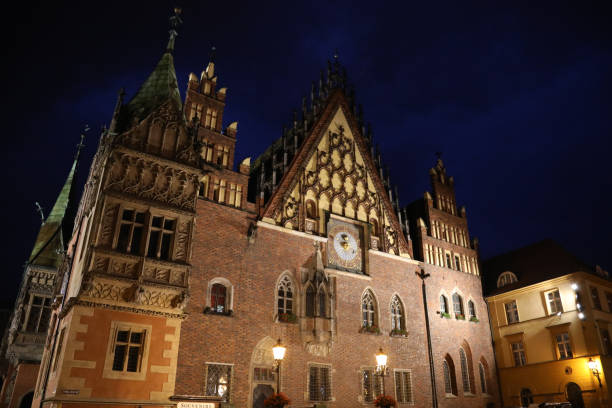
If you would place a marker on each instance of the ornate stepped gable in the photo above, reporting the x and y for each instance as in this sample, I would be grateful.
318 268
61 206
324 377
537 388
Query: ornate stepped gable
332 170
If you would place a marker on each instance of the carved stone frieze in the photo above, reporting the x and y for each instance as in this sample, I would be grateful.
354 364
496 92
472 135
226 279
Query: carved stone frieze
158 272
183 232
107 229
150 180
117 265
138 294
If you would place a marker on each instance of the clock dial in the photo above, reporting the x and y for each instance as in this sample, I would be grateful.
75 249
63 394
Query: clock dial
345 246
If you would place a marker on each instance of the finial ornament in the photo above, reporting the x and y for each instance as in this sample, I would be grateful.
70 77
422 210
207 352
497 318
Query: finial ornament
175 23
81 145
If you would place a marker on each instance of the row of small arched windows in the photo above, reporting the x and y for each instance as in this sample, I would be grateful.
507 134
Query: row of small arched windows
458 309
467 373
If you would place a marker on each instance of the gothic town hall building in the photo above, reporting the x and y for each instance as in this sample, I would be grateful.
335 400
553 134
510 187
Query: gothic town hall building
184 268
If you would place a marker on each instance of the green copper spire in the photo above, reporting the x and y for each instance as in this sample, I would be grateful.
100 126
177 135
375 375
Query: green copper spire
57 227
162 84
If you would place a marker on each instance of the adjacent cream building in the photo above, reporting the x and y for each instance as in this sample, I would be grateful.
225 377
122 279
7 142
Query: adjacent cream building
551 318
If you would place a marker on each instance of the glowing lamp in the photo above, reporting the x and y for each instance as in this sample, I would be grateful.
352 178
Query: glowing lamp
594 367
574 286
581 315
381 358
279 351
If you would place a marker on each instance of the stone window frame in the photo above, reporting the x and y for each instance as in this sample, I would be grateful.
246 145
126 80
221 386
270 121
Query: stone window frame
395 298
140 375
559 329
375 384
506 278
558 306
28 312
331 383
150 213
295 293
230 381
466 386
411 385
449 364
471 309
460 303
515 309
595 298
517 338
229 295
368 292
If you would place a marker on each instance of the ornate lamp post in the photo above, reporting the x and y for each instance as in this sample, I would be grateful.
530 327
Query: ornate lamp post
381 367
594 367
279 353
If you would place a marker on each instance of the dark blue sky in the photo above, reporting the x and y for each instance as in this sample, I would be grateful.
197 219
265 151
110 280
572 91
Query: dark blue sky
516 96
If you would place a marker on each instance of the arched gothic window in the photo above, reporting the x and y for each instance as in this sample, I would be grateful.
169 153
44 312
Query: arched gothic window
450 381
218 297
397 315
443 304
310 301
483 378
368 310
322 303
465 376
457 304
471 309
285 297
311 209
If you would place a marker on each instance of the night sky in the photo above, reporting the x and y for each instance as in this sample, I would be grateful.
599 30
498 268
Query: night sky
518 97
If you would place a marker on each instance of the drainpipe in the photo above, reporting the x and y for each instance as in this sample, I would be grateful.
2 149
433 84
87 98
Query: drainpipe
434 394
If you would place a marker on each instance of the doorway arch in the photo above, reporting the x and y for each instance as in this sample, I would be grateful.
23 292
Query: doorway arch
574 395
26 400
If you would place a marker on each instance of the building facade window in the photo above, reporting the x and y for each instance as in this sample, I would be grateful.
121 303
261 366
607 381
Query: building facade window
448 261
483 378
218 380
218 298
465 376
128 350
368 310
160 238
458 304
38 314
203 192
319 383
457 263
450 380
609 301
553 300
371 385
397 314
518 354
284 298
605 341
322 296
471 310
564 346
403 387
310 301
595 298
443 304
506 278
131 231
511 312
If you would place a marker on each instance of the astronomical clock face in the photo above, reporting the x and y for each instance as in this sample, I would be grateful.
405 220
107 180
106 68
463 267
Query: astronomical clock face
344 246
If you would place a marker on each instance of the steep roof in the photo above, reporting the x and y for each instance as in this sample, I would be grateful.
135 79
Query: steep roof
57 226
531 264
159 87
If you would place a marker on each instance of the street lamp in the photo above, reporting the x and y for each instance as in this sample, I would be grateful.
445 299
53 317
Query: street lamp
594 367
279 353
381 367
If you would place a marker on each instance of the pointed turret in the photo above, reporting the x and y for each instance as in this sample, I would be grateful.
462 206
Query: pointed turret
161 85
56 229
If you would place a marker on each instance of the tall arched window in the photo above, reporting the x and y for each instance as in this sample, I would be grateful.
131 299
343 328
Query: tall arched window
285 297
218 297
450 381
397 315
457 304
322 303
443 304
483 378
310 301
465 376
471 309
368 310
